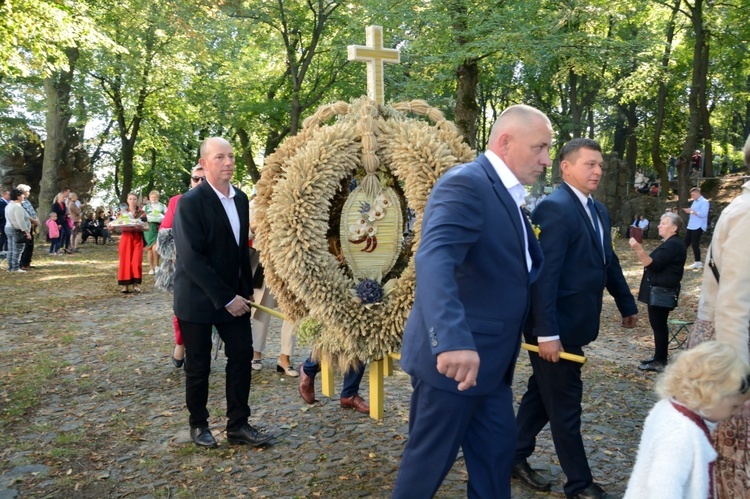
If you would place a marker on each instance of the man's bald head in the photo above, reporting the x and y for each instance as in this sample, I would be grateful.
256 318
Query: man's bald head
521 137
514 118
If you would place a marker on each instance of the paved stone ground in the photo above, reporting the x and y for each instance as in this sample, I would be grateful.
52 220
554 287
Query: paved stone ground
107 416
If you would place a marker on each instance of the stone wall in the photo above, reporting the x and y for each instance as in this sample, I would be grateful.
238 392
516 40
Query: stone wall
23 165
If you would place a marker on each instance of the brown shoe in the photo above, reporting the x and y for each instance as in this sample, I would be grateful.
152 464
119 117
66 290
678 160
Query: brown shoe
355 402
306 386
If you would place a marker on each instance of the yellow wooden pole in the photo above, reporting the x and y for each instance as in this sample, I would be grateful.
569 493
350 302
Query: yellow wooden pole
377 393
326 378
563 355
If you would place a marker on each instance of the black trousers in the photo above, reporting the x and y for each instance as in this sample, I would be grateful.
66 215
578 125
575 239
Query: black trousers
553 395
238 348
657 317
28 252
693 238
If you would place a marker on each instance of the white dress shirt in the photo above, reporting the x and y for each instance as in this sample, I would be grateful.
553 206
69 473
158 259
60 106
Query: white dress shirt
516 190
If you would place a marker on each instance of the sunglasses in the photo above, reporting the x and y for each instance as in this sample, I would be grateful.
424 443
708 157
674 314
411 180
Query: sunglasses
197 179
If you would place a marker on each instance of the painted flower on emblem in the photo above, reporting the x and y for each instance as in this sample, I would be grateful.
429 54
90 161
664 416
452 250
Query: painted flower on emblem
376 213
357 230
383 201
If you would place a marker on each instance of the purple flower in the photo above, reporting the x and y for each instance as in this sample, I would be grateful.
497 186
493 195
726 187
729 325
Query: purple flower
369 291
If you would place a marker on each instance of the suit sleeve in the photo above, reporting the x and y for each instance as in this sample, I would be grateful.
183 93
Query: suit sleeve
192 245
554 239
453 223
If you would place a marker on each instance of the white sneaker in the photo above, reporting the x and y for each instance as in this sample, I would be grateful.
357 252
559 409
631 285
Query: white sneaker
150 272
257 364
19 270
696 266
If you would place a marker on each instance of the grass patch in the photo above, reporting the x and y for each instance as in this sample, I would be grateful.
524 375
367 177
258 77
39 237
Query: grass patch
25 385
67 338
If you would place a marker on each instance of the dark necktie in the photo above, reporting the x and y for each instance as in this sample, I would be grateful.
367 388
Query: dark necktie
595 218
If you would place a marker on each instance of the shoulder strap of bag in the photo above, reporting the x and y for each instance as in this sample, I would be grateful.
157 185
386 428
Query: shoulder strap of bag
712 264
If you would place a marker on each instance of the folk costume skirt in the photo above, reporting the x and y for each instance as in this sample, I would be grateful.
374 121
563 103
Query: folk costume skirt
130 270
731 438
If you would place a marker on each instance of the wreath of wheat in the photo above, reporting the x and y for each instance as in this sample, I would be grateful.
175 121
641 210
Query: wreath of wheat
294 217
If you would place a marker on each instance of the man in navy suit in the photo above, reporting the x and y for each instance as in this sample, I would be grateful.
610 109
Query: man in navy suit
212 287
475 264
566 304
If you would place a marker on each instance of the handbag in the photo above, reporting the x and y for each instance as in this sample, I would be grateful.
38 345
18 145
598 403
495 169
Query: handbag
663 297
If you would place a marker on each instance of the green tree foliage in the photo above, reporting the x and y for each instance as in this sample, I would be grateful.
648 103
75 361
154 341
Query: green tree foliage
153 79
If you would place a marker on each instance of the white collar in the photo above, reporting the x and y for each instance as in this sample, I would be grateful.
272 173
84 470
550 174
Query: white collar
509 180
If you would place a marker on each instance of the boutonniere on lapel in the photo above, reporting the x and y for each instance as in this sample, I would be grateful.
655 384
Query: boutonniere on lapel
534 227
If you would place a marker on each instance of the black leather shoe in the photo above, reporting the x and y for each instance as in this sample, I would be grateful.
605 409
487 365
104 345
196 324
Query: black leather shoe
202 437
247 435
530 477
593 491
654 366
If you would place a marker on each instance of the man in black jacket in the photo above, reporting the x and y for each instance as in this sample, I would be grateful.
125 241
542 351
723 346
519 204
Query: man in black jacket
213 287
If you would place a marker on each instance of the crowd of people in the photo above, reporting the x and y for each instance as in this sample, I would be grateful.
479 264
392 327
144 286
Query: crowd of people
459 347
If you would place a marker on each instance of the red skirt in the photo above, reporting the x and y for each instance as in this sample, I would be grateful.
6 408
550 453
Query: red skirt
130 270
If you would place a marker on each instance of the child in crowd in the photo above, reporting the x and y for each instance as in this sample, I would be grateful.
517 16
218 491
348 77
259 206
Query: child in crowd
676 456
53 230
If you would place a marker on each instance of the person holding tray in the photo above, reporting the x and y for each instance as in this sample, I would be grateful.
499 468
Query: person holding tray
131 222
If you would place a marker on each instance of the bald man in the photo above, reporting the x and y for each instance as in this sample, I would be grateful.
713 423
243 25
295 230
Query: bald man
476 261
212 287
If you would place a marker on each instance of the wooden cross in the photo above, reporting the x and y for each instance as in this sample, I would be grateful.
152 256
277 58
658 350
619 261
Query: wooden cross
374 55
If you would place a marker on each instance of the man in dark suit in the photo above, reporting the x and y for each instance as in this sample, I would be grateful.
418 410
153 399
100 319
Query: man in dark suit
212 287
475 264
566 304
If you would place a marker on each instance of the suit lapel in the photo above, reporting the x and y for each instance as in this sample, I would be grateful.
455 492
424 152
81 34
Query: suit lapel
507 201
583 212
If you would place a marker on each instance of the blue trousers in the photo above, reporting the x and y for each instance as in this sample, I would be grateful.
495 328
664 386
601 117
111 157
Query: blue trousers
439 423
352 377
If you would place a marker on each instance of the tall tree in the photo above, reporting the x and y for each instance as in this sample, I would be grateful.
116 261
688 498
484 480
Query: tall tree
57 89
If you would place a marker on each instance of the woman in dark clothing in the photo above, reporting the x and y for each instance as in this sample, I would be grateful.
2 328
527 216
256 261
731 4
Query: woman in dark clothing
61 210
663 267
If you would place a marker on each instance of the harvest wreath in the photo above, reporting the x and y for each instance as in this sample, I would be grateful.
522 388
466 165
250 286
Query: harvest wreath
334 255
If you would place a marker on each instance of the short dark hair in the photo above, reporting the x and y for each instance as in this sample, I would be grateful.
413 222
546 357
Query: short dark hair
574 145
15 194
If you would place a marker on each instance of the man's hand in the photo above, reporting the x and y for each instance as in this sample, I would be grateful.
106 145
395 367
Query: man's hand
550 350
461 365
630 321
239 306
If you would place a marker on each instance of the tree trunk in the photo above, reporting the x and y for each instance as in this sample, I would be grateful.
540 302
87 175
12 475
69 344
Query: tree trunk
631 153
661 99
467 110
247 155
575 106
695 120
57 90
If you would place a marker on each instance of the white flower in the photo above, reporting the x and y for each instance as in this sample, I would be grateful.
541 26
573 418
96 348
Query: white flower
376 213
371 230
357 230
382 200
